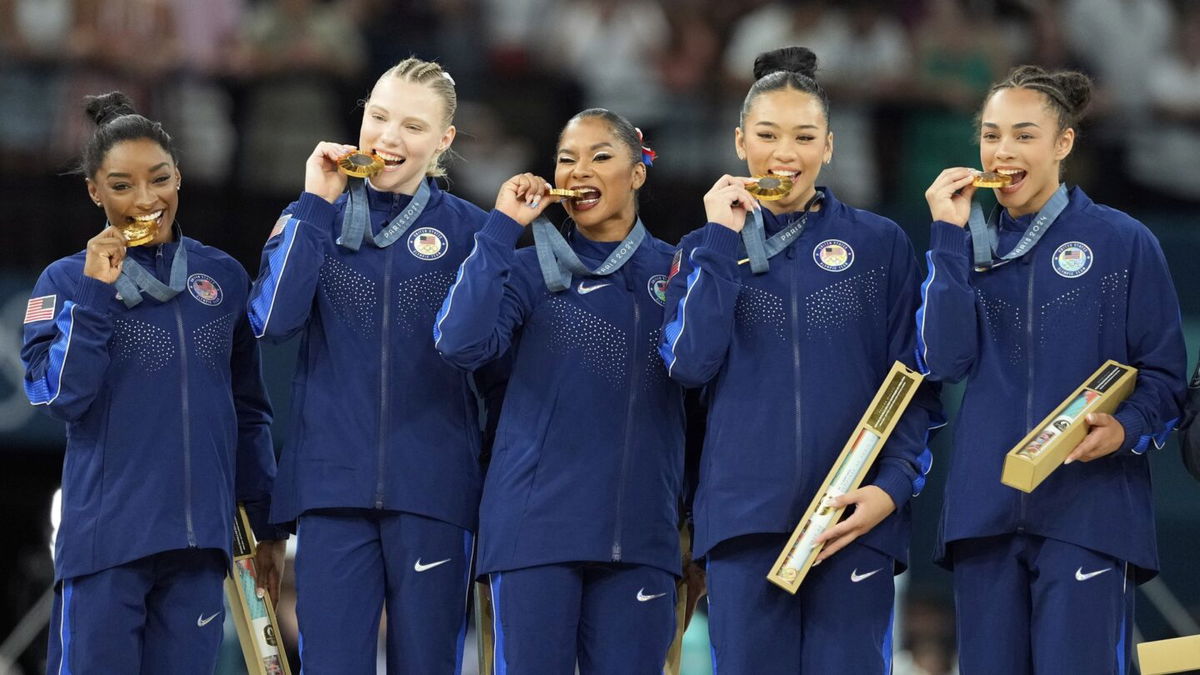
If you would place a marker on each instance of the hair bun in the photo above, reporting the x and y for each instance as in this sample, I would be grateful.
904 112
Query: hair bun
1077 88
107 107
791 59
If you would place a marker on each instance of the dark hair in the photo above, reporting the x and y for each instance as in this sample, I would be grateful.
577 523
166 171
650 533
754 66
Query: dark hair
629 135
117 121
794 67
1067 92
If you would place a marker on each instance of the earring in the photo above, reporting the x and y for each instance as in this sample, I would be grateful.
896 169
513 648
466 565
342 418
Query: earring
97 203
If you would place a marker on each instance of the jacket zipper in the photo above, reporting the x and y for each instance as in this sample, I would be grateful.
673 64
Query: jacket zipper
1029 355
633 378
796 367
384 366
183 400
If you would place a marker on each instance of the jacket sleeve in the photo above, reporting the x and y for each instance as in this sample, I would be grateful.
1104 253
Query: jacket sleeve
255 454
947 319
1189 433
281 298
905 459
66 358
701 299
1154 341
486 304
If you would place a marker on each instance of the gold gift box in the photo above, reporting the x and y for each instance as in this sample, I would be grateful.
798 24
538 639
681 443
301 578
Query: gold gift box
1045 448
846 475
1176 655
254 617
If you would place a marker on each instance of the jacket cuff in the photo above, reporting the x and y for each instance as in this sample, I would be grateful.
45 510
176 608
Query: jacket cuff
895 483
1136 440
259 523
93 294
501 228
948 238
721 240
313 210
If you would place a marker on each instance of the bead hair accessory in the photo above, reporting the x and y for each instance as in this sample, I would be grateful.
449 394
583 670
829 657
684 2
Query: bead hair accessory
447 76
648 155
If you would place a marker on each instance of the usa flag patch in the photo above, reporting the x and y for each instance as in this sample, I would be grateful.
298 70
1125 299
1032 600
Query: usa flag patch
675 263
40 309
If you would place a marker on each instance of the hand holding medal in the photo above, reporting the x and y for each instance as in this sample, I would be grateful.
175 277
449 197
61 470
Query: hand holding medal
729 201
525 196
324 175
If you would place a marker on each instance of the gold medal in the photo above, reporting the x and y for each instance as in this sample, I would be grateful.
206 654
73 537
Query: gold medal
769 187
563 192
139 231
360 164
991 179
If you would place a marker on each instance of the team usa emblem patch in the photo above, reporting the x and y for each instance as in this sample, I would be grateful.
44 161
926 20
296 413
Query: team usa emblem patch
205 289
1072 259
657 287
833 255
427 243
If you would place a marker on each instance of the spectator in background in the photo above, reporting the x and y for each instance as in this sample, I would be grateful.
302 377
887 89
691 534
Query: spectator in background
957 59
1119 42
129 45
866 59
448 30
297 53
872 65
199 105
612 47
814 23
32 33
1164 161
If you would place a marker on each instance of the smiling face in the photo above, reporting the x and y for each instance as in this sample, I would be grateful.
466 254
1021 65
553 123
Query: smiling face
591 158
785 132
404 122
138 186
1019 136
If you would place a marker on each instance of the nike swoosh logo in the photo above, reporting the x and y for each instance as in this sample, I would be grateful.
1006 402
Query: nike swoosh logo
1080 575
202 622
855 577
642 597
421 568
584 290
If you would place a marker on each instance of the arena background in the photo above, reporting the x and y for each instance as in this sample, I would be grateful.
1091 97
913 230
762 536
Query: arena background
248 86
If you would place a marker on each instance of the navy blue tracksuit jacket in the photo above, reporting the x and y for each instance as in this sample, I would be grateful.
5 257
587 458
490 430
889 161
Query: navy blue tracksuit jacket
1024 336
588 458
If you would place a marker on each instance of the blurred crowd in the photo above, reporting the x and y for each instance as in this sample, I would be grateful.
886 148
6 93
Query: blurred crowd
248 86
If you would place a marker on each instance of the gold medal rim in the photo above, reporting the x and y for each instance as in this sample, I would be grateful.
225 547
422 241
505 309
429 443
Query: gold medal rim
991 179
770 194
150 232
356 171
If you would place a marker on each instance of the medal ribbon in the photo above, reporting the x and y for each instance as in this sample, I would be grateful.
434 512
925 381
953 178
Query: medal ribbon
356 220
559 261
985 236
760 249
134 279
